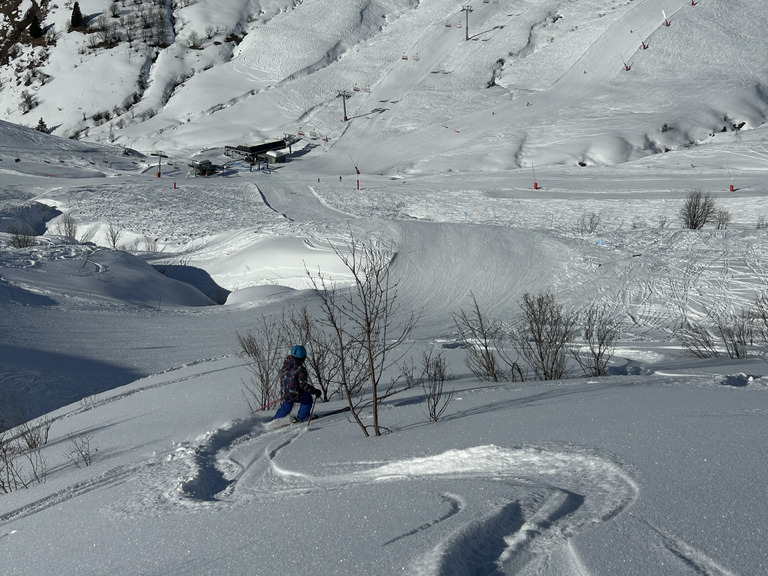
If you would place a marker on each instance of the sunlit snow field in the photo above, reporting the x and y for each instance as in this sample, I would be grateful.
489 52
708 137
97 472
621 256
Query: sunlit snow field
480 162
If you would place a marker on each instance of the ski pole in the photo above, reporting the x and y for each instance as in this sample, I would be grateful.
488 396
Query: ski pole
266 406
312 411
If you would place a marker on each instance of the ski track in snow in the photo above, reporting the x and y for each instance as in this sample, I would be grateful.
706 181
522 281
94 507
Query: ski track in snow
582 490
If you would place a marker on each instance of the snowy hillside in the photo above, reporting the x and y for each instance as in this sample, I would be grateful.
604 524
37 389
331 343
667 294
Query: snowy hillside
547 146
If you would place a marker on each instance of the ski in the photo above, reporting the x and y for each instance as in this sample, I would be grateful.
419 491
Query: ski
311 419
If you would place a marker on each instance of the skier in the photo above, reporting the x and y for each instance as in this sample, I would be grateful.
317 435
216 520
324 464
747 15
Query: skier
294 381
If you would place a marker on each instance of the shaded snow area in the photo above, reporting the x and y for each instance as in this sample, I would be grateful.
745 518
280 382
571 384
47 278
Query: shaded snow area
546 147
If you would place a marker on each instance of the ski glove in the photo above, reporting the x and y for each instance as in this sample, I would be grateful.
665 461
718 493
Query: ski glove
317 392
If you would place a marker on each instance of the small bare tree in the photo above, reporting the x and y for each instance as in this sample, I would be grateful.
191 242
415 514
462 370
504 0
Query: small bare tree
485 341
368 327
600 329
28 101
697 339
735 330
67 226
543 337
697 210
22 462
80 452
194 40
759 315
589 222
22 236
722 219
261 350
435 372
113 235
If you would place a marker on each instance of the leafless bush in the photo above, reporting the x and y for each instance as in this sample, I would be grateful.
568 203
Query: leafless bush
543 337
113 235
194 40
600 329
28 102
261 350
80 452
22 236
697 339
735 330
697 210
435 370
67 226
759 315
485 340
722 219
22 462
589 222
367 327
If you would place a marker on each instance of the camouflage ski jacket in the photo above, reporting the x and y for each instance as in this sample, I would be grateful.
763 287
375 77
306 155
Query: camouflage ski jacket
294 379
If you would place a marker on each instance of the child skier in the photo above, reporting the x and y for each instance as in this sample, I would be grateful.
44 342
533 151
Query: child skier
294 381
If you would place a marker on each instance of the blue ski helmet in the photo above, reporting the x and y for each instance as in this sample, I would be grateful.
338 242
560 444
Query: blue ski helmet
299 352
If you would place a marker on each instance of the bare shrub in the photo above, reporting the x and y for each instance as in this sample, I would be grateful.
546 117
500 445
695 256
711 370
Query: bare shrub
697 210
722 219
261 349
80 452
485 339
67 226
697 339
435 372
27 102
759 315
735 330
600 327
113 235
367 326
544 335
589 222
22 236
194 40
22 462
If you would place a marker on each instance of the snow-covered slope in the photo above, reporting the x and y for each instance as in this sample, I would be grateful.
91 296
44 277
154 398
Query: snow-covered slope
483 165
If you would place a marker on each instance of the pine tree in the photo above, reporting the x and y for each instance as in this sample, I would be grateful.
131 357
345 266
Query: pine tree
77 16
42 126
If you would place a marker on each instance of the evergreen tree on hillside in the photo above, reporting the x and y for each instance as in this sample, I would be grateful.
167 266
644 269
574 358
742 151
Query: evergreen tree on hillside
77 17
42 126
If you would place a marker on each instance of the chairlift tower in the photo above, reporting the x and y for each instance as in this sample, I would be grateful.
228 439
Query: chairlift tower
344 94
160 157
466 10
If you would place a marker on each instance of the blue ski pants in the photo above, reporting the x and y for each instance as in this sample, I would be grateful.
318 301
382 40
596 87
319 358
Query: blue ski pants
305 407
